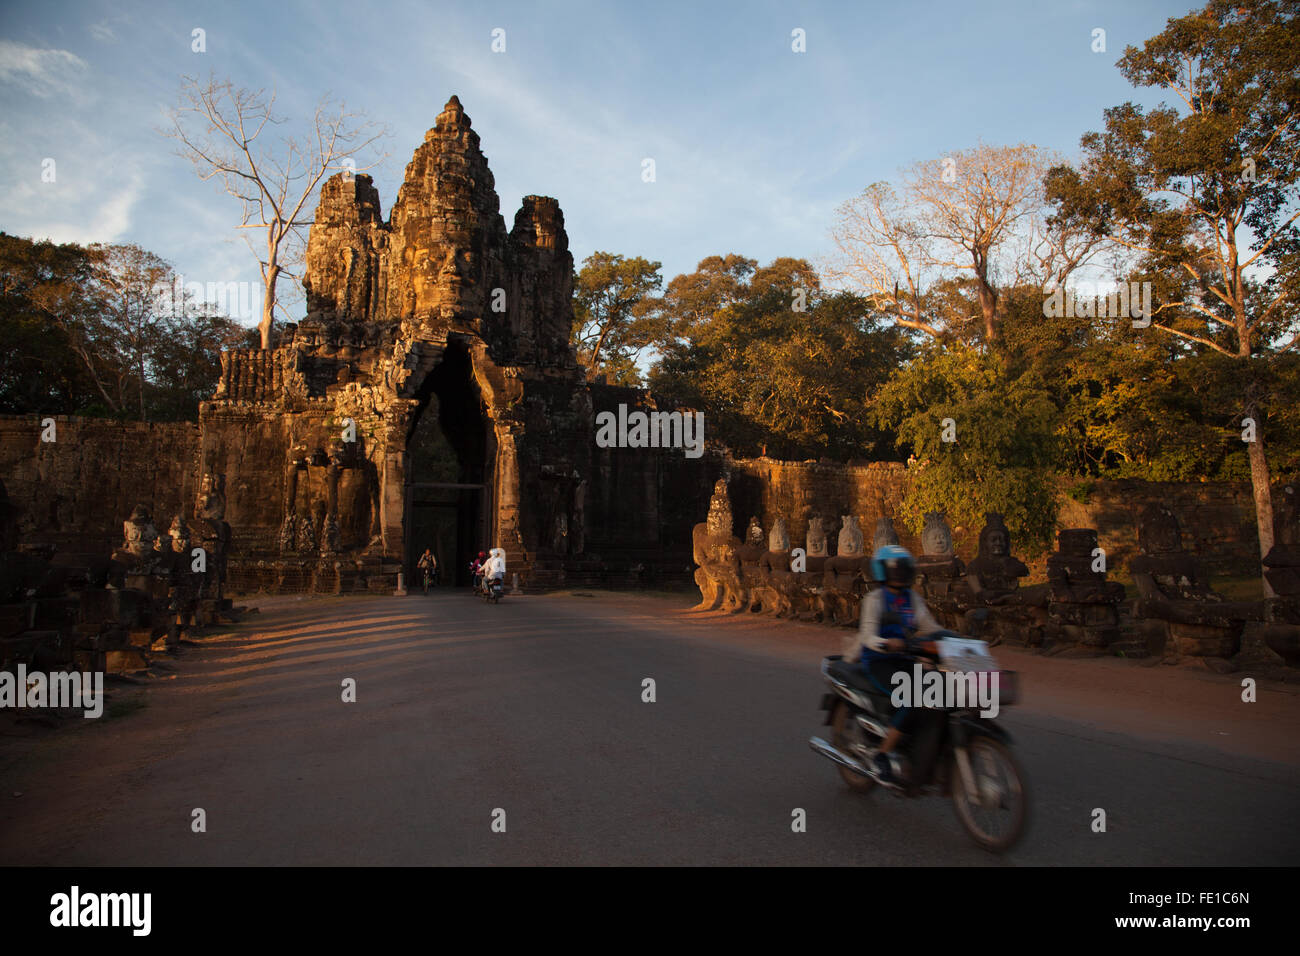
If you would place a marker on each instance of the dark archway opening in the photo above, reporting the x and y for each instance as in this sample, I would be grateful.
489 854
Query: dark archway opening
448 469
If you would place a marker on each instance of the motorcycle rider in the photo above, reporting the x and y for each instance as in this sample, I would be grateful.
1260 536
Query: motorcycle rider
882 645
495 568
476 568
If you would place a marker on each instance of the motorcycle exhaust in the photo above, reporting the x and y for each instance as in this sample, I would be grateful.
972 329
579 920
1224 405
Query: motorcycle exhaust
838 756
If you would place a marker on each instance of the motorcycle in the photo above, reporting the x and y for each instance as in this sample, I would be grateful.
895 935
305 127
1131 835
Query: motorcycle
953 750
493 588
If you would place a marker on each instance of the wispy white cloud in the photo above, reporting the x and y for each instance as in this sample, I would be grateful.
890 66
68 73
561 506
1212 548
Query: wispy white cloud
43 73
109 219
102 32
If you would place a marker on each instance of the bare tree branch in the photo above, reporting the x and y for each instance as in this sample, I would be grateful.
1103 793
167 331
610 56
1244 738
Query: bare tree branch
218 127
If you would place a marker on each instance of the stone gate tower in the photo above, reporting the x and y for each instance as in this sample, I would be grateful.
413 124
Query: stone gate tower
433 371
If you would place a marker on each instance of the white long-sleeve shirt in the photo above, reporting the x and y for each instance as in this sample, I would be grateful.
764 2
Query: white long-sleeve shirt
868 633
496 564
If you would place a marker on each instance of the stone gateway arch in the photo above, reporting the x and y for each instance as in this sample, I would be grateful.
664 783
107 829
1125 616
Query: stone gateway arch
431 397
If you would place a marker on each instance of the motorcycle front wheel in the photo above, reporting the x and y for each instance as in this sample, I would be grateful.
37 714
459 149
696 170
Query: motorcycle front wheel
996 817
844 733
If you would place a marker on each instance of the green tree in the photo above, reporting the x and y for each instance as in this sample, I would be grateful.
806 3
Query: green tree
778 366
40 369
1203 194
99 330
613 305
133 317
984 440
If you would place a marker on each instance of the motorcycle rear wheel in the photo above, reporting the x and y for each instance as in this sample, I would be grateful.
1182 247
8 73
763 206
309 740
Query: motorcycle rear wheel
842 731
997 819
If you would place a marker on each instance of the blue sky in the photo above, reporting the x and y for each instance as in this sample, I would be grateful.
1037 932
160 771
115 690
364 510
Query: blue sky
754 144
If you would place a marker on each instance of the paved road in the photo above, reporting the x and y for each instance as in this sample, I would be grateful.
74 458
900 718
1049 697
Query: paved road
534 707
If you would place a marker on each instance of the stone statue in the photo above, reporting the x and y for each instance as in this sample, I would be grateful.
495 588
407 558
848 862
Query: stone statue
306 535
776 584
212 533
936 537
938 570
139 534
716 551
185 582
816 539
331 536
994 576
779 539
885 534
843 578
289 534
719 520
750 554
180 535
991 601
1084 606
1175 601
850 543
211 502
139 552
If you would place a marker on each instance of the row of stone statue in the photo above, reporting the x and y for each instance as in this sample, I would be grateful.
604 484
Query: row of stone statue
183 569
1175 611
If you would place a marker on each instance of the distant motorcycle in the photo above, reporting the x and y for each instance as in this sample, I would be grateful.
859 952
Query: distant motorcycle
493 588
953 750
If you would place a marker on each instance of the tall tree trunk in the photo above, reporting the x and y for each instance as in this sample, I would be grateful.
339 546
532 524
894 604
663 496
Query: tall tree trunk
1263 491
268 303
1259 476
988 298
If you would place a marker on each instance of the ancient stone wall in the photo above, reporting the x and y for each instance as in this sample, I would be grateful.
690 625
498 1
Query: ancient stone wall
74 492
796 490
1217 518
631 506
643 502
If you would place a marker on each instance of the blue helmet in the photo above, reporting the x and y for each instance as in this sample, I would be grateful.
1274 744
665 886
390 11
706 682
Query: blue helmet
893 564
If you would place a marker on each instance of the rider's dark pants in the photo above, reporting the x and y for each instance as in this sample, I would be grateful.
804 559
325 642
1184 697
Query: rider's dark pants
880 671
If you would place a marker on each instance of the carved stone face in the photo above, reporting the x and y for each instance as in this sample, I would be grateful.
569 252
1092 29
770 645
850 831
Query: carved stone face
211 503
816 538
884 535
139 532
935 537
850 543
180 535
998 544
